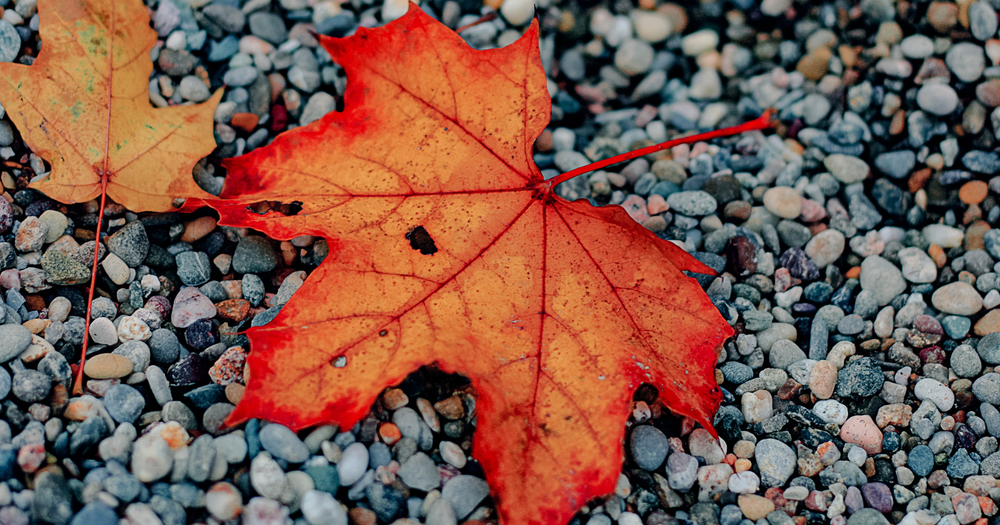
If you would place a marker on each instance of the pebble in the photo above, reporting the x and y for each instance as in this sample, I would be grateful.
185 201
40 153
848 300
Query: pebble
14 340
648 446
966 60
10 42
847 169
917 266
882 278
283 444
957 298
320 508
267 477
862 431
933 390
692 203
124 403
776 461
108 366
517 12
465 493
938 99
254 254
353 463
783 202
30 386
151 458
419 472
189 306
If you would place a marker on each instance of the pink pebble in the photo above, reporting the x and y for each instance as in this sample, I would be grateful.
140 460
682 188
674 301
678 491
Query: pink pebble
30 457
862 431
656 205
635 206
10 279
646 115
189 306
812 211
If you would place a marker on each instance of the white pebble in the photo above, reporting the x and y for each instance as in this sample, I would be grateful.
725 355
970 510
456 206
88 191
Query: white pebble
353 464
517 12
103 331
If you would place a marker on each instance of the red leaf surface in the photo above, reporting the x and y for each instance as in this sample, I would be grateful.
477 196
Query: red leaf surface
447 247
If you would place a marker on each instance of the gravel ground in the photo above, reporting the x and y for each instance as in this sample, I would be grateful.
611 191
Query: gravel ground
859 269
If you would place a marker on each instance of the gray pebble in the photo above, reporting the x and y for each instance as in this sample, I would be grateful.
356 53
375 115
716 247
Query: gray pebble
124 403
648 446
282 443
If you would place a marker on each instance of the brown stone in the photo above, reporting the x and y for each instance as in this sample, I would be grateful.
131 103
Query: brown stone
755 507
943 16
394 398
234 392
107 366
198 228
989 324
739 210
450 408
988 93
234 310
973 192
815 65
823 379
932 68
655 224
360 516
677 15
918 179
974 235
896 414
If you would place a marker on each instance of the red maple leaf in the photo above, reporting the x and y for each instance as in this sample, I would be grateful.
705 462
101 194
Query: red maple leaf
447 247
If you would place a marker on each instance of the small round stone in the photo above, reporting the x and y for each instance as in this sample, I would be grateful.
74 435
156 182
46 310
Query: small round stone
107 366
966 60
124 403
282 443
31 386
783 201
649 447
938 99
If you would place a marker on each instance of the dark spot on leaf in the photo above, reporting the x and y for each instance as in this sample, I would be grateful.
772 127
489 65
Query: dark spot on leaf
422 241
383 333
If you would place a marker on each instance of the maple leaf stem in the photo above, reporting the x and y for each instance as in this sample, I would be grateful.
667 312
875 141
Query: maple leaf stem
78 384
486 18
762 122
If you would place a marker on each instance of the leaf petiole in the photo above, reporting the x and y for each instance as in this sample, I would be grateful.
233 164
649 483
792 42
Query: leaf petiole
78 384
764 121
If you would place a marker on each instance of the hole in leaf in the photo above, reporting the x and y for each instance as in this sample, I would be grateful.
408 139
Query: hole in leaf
422 241
340 362
263 207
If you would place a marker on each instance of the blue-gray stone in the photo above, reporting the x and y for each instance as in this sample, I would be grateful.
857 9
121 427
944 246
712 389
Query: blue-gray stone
982 161
124 403
282 443
961 465
921 460
896 164
10 42
194 268
649 447
95 513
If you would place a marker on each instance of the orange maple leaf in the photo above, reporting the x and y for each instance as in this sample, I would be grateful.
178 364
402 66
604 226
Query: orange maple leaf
447 247
84 107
